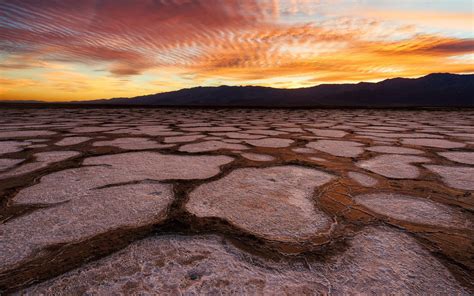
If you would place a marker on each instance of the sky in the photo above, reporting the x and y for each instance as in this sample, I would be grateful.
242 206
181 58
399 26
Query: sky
60 50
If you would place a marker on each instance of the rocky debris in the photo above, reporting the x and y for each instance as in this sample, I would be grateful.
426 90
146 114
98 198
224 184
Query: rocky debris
415 210
338 148
393 165
273 203
454 176
210 146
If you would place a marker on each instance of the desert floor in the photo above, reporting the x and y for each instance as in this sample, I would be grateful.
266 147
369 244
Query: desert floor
236 201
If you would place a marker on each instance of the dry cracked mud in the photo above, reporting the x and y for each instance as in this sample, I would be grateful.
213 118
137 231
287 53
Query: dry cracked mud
236 201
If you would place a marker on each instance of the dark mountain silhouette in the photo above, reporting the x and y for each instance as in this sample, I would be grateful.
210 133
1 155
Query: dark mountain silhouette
434 90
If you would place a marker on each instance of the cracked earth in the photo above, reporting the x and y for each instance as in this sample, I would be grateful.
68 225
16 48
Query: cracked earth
238 201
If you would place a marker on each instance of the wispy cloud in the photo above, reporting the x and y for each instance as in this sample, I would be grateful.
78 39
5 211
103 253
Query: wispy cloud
214 41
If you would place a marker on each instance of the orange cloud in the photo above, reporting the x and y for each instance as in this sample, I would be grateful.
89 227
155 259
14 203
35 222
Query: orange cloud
428 18
207 42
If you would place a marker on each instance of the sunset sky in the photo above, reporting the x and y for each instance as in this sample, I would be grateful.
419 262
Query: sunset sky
88 49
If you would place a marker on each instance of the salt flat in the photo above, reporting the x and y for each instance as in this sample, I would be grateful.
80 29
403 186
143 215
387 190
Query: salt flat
236 201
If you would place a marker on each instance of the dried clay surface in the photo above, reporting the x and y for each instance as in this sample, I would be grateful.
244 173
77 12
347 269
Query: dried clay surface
163 201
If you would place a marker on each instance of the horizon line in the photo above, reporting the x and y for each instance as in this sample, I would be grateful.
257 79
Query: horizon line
248 85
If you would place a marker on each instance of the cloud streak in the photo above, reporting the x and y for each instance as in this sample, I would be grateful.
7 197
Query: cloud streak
212 41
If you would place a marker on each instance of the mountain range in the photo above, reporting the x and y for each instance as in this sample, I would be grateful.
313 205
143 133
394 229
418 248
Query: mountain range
434 90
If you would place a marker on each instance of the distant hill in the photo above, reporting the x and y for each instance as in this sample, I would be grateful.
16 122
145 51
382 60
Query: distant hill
434 90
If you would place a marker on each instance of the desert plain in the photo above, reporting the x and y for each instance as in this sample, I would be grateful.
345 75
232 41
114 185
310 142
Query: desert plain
236 201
